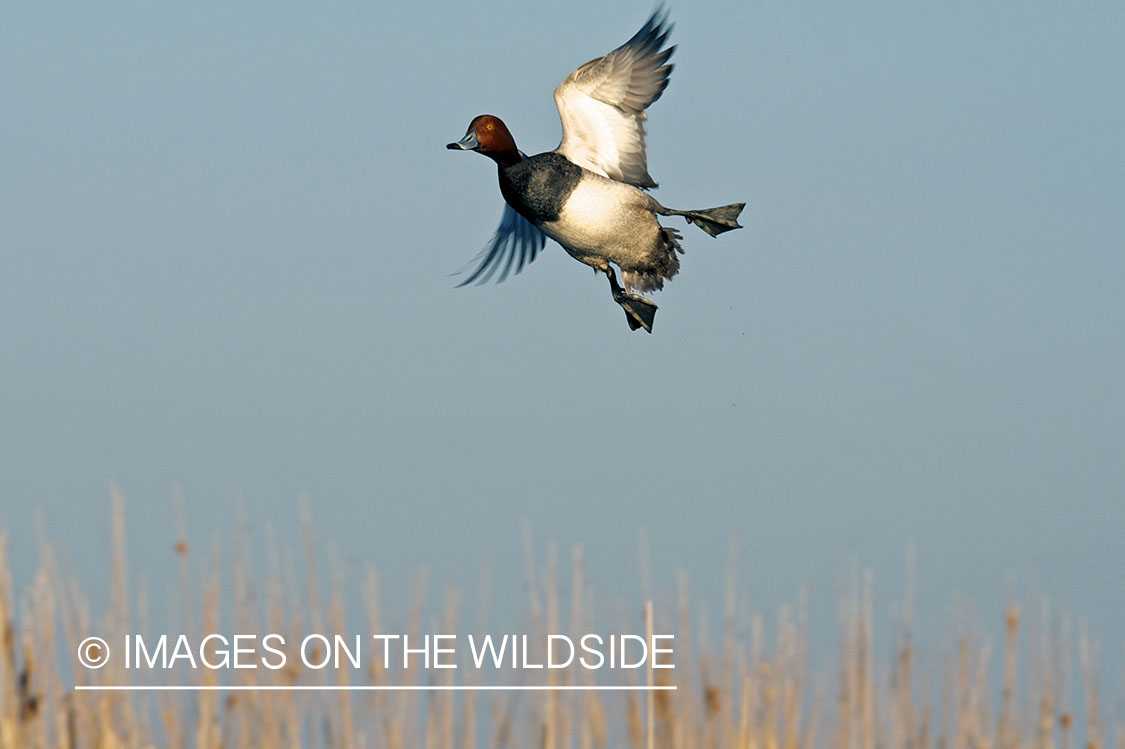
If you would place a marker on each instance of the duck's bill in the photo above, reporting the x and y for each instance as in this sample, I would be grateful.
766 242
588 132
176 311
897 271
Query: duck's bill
468 143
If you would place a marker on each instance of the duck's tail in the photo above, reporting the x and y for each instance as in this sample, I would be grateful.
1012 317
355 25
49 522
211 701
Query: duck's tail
714 221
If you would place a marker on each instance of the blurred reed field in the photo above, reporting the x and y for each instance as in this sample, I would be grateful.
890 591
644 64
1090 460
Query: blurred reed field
1036 687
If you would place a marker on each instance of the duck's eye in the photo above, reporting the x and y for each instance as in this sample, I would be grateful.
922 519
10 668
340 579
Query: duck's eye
489 126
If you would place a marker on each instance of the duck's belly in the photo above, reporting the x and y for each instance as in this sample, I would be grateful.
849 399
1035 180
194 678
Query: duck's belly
602 221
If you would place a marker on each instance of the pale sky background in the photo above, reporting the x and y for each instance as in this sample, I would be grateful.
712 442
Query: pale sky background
227 231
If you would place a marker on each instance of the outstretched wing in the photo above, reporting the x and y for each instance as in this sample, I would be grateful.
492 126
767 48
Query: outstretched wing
602 105
517 240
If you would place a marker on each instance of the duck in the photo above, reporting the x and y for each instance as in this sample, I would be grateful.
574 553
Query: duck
590 194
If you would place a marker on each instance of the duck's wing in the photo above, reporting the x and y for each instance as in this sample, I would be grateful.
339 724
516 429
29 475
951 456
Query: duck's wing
602 105
517 240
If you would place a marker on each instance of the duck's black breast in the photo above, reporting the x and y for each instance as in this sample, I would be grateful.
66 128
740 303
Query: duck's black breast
538 186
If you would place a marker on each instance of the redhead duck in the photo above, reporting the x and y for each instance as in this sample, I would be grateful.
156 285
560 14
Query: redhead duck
589 193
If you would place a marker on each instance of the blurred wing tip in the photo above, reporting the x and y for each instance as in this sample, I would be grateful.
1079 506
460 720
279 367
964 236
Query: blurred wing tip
517 242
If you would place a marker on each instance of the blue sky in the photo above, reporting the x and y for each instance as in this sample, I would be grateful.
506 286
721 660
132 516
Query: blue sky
227 237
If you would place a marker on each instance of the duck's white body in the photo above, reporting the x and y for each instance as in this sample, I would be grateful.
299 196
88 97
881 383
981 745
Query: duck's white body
604 221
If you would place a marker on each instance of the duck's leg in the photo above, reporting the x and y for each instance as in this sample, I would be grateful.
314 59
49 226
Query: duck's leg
639 312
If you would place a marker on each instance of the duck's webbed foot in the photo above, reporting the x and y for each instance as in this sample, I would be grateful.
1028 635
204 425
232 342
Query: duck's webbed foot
639 312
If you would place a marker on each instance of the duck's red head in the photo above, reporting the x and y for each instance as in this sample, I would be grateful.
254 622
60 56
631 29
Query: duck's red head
489 135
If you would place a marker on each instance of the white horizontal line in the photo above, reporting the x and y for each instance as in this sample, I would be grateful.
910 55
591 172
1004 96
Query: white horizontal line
366 688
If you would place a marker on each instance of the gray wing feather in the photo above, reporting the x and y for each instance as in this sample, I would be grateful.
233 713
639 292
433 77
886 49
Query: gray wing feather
517 241
602 104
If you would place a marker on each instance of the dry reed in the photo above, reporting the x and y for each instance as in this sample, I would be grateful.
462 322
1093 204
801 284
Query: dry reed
742 694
